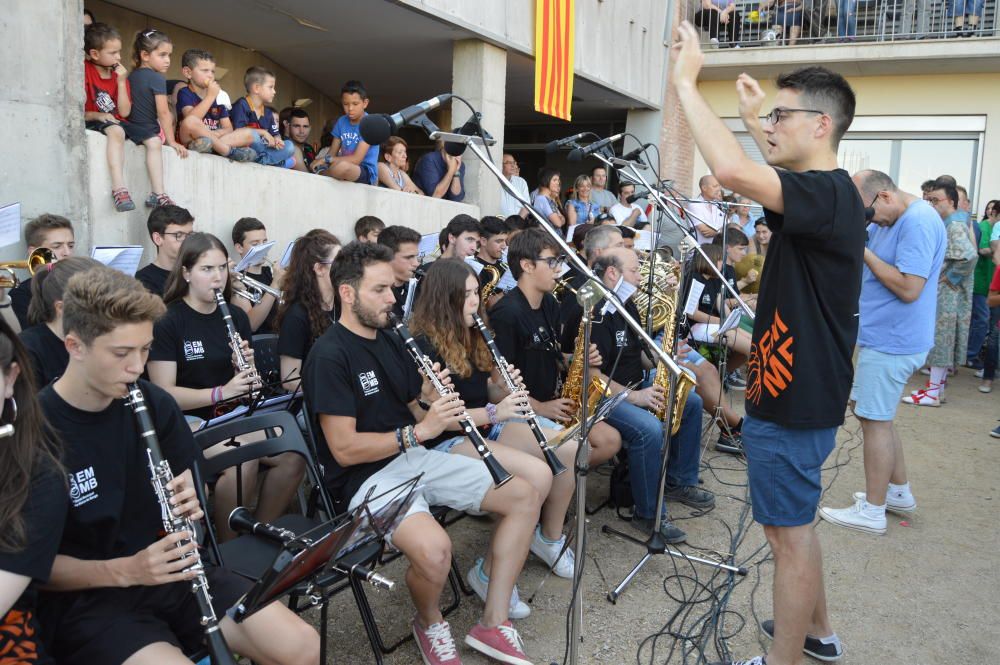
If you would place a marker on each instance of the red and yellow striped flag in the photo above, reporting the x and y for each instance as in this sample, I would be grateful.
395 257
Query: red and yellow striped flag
554 57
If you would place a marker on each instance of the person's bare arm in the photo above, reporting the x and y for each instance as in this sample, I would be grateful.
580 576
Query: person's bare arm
904 286
166 120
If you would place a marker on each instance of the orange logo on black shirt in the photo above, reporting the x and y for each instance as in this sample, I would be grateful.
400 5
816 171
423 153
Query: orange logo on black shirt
17 639
771 361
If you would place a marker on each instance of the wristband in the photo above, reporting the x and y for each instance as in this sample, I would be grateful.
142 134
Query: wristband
423 405
416 439
491 411
216 394
399 440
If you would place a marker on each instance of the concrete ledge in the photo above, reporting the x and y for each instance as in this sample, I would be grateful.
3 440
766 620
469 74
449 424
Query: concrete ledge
218 192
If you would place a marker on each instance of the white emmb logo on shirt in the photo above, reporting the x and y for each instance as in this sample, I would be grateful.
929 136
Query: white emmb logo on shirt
194 349
369 382
620 339
82 486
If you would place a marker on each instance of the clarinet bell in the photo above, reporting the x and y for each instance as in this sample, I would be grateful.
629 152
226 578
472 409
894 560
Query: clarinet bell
555 465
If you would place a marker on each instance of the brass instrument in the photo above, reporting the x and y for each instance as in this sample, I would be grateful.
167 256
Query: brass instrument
38 258
253 290
573 388
661 295
685 382
746 264
561 287
493 273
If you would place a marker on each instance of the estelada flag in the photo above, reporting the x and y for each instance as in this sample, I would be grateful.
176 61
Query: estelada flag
554 57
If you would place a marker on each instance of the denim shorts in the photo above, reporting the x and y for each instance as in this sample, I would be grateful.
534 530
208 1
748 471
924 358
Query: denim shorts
446 445
784 467
879 381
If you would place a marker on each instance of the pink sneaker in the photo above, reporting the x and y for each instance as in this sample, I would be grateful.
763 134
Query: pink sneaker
501 643
437 646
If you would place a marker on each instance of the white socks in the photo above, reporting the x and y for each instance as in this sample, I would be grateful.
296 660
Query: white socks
938 376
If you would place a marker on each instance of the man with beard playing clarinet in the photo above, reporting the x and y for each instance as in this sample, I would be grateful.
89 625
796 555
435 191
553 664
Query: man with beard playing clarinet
374 415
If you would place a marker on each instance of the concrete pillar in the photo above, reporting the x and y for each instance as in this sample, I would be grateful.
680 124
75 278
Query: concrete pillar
479 73
41 101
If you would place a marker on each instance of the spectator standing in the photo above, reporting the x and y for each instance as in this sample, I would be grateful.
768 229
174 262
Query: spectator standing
599 192
508 204
440 175
546 200
962 10
983 275
581 209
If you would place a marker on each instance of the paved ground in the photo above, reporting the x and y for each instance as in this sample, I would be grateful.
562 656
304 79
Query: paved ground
925 593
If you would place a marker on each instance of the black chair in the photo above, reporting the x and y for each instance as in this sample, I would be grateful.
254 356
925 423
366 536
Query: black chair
265 357
249 555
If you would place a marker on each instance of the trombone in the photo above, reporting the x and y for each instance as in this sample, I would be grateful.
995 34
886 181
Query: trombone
38 258
254 290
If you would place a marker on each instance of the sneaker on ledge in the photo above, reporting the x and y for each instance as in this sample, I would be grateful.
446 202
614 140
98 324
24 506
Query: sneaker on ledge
437 646
156 200
894 504
814 646
202 144
500 643
855 517
242 155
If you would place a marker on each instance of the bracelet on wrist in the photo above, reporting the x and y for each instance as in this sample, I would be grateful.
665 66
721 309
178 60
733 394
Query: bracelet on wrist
399 440
491 412
216 394
416 438
423 405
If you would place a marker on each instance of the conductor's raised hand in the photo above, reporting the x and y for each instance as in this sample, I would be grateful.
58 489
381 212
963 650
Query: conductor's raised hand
751 96
686 55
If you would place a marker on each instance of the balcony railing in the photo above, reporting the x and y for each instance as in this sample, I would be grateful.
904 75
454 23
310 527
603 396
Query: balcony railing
772 23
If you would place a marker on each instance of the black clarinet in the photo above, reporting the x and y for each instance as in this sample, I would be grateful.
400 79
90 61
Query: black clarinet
241 520
499 474
236 343
503 367
161 475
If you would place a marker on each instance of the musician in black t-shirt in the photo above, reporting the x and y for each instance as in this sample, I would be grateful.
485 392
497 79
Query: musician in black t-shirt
404 243
308 308
44 338
192 359
707 319
597 241
492 245
33 496
249 232
118 591
52 232
372 414
800 368
443 319
526 326
168 226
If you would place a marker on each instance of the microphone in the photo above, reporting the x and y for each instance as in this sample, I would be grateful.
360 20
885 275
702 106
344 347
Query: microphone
634 155
635 197
470 128
576 154
553 146
377 127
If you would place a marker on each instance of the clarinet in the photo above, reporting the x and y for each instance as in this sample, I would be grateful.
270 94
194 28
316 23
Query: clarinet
161 475
503 367
242 521
499 474
236 344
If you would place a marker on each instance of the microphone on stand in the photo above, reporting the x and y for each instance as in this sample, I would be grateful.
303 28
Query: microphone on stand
472 127
576 154
634 155
377 127
553 146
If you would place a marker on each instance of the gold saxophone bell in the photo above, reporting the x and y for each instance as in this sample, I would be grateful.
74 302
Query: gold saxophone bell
493 274
40 257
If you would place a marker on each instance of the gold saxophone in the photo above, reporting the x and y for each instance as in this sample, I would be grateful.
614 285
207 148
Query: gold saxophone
493 275
573 388
685 382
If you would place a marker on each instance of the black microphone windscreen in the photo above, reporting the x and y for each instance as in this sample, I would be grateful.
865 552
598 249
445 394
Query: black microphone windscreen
552 146
376 128
575 155
454 149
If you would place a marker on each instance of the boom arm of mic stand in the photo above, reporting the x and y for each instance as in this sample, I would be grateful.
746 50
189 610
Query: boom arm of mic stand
571 255
665 209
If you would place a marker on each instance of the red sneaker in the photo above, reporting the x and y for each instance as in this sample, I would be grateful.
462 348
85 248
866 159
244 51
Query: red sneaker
499 643
437 646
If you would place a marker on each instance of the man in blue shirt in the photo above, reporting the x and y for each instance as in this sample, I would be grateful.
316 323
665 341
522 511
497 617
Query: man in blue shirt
906 244
440 175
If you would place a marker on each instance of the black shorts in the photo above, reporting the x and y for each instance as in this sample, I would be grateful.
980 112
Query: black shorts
135 133
108 626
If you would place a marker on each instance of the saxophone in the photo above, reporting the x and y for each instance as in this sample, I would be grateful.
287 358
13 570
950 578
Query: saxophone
573 388
685 382
493 273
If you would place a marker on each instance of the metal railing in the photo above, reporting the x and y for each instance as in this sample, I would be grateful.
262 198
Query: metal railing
744 23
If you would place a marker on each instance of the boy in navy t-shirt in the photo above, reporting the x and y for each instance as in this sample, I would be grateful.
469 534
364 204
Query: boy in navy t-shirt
252 111
355 160
205 125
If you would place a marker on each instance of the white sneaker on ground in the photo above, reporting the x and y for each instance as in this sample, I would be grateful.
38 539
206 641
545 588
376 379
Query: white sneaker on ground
548 551
518 608
893 504
922 398
855 517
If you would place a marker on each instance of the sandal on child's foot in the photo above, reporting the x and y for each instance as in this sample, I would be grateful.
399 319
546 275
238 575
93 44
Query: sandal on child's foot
123 202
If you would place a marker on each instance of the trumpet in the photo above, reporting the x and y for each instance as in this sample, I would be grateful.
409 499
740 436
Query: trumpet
38 258
254 290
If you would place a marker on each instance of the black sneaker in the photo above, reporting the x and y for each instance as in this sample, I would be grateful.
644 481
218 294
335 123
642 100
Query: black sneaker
735 382
691 496
730 442
813 647
671 534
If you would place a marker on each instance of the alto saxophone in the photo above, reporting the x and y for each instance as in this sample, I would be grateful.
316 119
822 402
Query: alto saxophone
493 274
684 381
573 388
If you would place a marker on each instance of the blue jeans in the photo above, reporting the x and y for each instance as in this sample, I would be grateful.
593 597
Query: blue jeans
992 346
847 18
978 326
269 156
966 8
642 435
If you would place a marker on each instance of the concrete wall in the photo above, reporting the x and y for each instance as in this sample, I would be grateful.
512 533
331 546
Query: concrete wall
236 59
41 101
619 43
218 192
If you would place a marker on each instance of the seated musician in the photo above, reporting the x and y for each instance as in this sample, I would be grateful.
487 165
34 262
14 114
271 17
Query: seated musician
707 319
192 359
642 432
118 592
443 319
33 493
492 245
404 243
249 232
308 308
526 326
737 248
373 417
598 240
460 238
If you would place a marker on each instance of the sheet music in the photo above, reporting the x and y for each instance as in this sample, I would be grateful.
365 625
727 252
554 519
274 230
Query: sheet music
254 257
10 224
476 265
731 322
644 240
411 291
286 258
507 282
125 258
694 295
428 244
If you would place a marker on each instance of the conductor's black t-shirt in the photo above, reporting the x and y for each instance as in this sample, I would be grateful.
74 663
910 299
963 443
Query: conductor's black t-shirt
199 344
48 354
616 342
295 336
154 278
474 389
370 380
800 369
529 339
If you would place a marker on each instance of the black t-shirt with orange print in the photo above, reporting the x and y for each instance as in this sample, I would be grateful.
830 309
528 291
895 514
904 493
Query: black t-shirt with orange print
800 369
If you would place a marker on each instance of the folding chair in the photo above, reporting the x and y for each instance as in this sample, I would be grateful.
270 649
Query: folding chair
265 357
